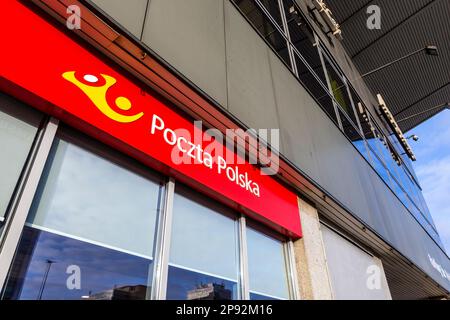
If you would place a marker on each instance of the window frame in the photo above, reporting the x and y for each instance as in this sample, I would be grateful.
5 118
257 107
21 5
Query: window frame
34 172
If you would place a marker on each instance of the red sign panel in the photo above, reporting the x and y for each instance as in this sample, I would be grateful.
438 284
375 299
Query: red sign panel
45 67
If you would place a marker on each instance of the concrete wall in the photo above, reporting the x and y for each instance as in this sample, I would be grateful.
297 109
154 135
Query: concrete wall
213 45
311 262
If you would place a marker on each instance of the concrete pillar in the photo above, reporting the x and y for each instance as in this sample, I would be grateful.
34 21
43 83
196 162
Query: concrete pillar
312 271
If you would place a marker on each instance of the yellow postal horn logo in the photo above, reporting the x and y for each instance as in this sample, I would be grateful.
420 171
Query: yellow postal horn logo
98 96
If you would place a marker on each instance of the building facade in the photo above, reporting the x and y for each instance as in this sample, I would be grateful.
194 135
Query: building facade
99 97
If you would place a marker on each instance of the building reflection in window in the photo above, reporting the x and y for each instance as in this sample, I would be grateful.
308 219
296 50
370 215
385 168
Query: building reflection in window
190 285
267 267
93 219
43 270
203 262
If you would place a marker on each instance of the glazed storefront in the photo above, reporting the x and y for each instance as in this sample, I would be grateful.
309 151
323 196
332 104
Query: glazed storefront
92 204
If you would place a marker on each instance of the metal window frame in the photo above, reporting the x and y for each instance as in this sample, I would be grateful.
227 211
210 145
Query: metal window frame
326 55
244 279
294 287
162 246
327 78
355 112
288 36
23 199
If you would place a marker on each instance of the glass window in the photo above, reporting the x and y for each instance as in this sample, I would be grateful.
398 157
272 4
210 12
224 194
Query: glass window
424 205
203 263
90 231
379 167
267 267
18 128
366 131
315 88
352 133
406 183
388 158
307 58
339 89
302 38
265 26
274 10
366 124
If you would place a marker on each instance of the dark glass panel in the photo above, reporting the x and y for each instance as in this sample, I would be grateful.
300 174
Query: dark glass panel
47 265
265 26
189 285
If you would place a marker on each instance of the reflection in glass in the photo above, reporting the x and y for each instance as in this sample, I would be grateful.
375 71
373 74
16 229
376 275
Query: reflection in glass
266 267
379 167
302 38
94 215
18 127
315 88
190 285
339 90
54 267
274 10
204 251
90 197
352 133
255 296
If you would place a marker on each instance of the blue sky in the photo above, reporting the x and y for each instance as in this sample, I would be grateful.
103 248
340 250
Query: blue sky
433 169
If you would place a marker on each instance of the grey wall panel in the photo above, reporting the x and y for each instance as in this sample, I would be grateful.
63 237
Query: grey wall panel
352 160
336 158
250 90
399 227
295 135
416 246
373 211
376 203
190 36
322 131
130 16
389 210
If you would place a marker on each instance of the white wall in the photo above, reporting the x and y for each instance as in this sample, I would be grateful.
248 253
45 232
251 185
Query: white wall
355 275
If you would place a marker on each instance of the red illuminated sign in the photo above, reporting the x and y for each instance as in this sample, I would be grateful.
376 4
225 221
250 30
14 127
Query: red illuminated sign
43 66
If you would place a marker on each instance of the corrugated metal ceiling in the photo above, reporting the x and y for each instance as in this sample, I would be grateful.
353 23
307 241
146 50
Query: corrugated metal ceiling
414 84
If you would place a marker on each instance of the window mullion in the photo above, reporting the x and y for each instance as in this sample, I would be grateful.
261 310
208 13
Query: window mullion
330 89
24 198
162 247
288 41
244 280
292 271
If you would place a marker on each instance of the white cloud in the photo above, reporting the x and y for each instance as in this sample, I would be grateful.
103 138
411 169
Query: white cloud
433 170
435 180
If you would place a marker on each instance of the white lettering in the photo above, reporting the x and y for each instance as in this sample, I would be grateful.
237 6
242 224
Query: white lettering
185 149
221 164
184 140
444 274
173 140
188 310
155 125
